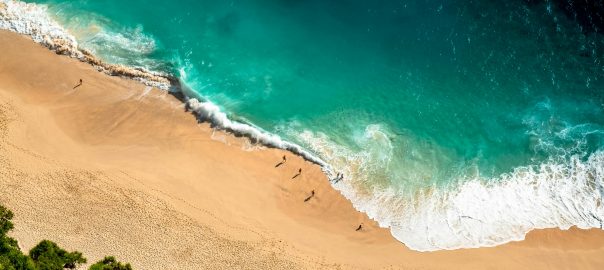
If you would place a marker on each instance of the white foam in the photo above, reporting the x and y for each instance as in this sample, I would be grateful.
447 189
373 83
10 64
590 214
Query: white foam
133 41
34 21
208 111
116 44
477 212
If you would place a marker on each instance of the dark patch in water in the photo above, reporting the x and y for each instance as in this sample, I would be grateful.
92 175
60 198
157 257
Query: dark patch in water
228 23
589 14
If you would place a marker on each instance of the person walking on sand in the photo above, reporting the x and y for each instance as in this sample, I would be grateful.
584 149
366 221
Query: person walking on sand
299 173
79 84
282 162
312 194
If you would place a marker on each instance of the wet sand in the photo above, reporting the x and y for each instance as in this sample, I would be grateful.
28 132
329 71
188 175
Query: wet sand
114 167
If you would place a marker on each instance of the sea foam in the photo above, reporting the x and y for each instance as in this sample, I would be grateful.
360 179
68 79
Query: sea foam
471 212
476 212
208 111
34 21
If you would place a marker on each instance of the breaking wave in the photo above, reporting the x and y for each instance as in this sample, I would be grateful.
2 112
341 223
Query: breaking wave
473 211
33 20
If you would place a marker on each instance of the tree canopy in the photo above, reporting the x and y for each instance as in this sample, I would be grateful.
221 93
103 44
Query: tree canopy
5 220
110 263
11 257
47 255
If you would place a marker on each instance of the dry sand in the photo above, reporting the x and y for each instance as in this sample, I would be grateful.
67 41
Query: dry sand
117 168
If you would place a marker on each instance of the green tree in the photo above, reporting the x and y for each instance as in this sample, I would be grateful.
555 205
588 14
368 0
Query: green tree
11 257
45 256
110 263
14 259
48 256
5 220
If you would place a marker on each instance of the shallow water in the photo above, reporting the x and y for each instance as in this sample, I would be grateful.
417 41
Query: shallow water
456 123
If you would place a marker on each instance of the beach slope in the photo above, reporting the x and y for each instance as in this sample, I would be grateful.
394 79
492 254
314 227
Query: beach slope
113 167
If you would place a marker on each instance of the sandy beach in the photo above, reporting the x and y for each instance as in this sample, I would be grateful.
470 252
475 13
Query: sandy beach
114 167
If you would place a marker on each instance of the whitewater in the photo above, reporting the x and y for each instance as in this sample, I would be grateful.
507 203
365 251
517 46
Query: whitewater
473 210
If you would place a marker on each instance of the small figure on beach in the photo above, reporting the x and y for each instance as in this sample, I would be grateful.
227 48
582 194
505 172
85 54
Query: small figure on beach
78 85
299 173
339 178
360 227
312 194
282 162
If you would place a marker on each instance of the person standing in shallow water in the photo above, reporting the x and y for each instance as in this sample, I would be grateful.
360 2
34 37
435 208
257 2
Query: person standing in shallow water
339 178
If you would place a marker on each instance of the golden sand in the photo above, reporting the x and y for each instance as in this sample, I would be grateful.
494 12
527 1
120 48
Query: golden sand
114 167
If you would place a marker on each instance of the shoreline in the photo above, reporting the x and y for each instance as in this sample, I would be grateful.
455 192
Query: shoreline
97 167
61 42
45 31
32 20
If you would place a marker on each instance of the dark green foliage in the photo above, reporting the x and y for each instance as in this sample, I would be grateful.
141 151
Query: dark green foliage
11 256
5 218
48 256
45 256
110 263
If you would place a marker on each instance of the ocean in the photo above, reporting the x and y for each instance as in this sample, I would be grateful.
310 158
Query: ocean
456 124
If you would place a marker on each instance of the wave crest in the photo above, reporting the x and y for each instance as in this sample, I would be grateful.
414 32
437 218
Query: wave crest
208 111
471 212
33 20
475 212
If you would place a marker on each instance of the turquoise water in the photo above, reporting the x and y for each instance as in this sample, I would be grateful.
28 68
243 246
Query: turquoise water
404 97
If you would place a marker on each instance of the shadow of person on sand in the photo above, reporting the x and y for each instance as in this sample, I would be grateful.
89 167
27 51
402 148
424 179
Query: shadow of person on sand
78 85
282 162
299 173
312 194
